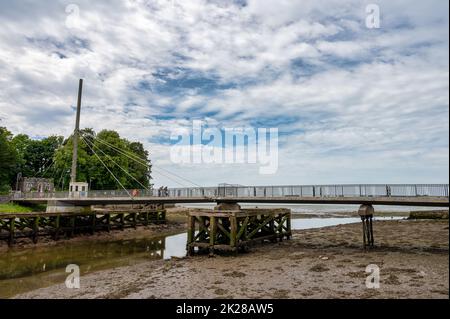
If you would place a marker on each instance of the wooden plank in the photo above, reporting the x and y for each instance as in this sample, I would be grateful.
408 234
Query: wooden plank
35 229
212 231
57 227
263 223
233 231
226 232
243 228
12 224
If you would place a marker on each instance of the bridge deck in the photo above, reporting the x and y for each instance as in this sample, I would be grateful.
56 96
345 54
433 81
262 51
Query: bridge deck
394 201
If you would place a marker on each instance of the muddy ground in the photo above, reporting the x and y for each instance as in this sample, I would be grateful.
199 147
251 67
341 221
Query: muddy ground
412 256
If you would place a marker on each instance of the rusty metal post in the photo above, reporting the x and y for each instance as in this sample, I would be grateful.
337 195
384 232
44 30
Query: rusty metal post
366 213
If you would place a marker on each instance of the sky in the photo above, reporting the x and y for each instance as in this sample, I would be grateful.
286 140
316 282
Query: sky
351 104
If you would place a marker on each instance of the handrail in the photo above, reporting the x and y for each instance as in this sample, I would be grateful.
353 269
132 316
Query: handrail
342 190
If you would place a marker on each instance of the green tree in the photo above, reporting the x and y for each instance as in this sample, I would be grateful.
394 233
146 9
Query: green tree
8 160
102 153
35 157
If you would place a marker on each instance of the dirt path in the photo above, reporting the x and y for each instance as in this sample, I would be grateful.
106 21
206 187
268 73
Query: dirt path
322 263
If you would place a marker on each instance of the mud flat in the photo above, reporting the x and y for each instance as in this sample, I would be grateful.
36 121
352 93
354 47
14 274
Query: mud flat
412 255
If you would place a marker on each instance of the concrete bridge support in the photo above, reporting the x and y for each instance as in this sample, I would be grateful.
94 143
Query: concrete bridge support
61 207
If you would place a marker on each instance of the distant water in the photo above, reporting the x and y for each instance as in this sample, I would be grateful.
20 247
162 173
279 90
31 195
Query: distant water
311 223
321 208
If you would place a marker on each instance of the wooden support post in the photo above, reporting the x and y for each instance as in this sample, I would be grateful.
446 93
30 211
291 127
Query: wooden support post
122 221
233 232
272 230
108 222
146 218
72 225
12 230
35 229
366 212
243 231
57 227
372 241
133 218
191 234
201 228
212 234
93 217
289 227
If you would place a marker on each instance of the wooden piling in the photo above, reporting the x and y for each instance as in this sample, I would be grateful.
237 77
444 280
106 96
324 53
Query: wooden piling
35 229
55 225
190 234
235 230
12 229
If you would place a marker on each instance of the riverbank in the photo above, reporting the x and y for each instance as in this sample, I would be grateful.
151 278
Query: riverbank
318 263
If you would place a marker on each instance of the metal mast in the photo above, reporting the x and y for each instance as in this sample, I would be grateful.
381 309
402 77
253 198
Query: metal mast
73 174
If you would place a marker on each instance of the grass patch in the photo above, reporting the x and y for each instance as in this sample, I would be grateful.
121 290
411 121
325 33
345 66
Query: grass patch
15 208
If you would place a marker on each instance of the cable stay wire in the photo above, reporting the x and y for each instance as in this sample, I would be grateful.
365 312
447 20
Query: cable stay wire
109 157
144 162
182 178
117 180
170 178
47 166
139 161
60 183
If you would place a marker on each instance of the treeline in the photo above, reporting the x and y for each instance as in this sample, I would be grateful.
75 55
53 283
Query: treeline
51 157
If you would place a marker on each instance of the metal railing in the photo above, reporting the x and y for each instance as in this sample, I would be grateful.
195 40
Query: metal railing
356 190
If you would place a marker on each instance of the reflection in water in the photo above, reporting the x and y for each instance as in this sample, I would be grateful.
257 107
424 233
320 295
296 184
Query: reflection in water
23 270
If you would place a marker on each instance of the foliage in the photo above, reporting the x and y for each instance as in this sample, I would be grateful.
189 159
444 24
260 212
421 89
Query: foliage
8 159
15 208
35 157
96 160
51 157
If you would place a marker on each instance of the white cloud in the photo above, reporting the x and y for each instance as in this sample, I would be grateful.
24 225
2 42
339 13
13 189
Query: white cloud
347 98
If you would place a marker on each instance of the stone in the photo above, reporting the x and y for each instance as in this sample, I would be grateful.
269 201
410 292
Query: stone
366 210
227 206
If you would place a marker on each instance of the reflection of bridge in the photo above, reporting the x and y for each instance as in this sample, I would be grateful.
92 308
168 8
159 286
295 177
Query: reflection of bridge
432 195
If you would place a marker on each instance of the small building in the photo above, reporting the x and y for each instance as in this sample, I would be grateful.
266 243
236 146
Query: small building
34 184
78 189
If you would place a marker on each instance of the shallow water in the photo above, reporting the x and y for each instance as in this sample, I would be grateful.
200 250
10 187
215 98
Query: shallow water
310 223
22 270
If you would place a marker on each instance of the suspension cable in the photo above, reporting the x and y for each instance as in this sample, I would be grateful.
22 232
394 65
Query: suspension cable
47 166
142 161
117 180
109 157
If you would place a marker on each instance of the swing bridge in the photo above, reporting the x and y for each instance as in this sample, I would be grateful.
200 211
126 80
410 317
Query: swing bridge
228 227
426 195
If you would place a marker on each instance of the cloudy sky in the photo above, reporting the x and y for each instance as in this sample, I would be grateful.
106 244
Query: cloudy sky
352 104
